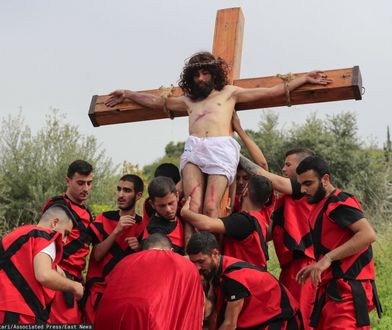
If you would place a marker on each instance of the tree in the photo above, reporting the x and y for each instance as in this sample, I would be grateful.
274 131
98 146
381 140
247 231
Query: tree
34 166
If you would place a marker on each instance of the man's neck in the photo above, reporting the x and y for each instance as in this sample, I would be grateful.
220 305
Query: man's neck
130 212
73 199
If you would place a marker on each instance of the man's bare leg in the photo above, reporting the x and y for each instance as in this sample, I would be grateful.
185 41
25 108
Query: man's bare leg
193 185
216 186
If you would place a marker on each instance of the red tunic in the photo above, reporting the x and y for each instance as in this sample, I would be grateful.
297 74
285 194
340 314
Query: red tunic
347 291
101 228
268 303
252 249
64 308
294 249
18 250
152 290
174 230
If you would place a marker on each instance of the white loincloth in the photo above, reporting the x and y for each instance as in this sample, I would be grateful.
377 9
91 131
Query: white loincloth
213 155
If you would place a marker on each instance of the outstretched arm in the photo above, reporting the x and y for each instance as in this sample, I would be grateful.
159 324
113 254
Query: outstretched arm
279 183
201 221
147 100
254 150
253 94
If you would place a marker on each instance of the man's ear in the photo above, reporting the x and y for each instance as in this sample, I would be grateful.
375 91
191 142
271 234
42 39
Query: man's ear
67 181
151 203
54 222
139 195
325 180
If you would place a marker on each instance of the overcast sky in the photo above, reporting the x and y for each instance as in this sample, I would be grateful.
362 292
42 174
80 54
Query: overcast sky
57 54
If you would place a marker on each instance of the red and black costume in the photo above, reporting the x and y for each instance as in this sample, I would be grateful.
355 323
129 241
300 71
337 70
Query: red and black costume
101 228
245 237
266 210
152 289
293 245
267 304
64 307
174 230
347 291
22 298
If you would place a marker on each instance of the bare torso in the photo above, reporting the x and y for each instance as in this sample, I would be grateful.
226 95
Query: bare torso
212 116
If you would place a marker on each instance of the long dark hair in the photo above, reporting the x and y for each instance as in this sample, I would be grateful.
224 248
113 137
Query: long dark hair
217 67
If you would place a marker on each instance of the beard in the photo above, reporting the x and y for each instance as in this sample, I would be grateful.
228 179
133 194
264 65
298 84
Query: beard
129 206
318 196
201 90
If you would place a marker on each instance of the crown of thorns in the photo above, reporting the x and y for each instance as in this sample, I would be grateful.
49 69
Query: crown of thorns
202 64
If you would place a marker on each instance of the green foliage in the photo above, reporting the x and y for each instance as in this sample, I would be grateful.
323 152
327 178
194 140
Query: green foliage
34 167
382 261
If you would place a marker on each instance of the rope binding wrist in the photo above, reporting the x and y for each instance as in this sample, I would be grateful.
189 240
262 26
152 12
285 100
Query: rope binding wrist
164 93
286 79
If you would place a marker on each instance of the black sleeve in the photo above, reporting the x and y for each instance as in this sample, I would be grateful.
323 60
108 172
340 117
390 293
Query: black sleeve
238 226
296 187
345 215
233 290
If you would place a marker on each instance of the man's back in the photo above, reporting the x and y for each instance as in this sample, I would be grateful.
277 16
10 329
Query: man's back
152 289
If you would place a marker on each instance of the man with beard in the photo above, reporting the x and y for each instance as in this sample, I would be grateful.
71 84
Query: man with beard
291 231
247 297
164 200
115 235
342 238
64 308
211 155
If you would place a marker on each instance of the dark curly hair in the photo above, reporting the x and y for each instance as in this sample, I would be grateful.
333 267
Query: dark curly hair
217 67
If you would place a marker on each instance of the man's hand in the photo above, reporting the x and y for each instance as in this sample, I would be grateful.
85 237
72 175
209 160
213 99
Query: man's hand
133 243
124 222
78 290
313 271
317 77
186 206
116 97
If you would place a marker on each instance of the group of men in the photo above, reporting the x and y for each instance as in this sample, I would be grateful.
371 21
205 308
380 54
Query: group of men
138 276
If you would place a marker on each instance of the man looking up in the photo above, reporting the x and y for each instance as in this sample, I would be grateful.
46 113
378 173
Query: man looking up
115 235
211 155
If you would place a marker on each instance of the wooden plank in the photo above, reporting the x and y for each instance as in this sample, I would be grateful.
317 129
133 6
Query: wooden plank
228 35
346 85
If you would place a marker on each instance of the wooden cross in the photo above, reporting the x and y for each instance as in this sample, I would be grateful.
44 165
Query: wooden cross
229 27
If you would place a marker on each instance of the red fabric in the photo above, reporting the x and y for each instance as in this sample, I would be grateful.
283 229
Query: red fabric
23 319
107 222
264 302
291 218
266 210
337 315
10 298
304 293
176 236
75 263
249 249
333 236
152 290
61 313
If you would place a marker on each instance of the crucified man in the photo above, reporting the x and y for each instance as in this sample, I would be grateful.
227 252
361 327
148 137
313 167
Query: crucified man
211 154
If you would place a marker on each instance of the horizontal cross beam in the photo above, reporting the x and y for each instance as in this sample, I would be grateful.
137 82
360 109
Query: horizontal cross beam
346 85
